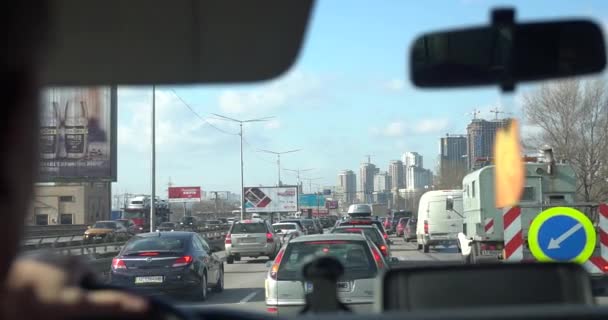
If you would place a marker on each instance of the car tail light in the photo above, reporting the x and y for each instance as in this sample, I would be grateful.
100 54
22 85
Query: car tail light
118 264
183 261
353 230
269 237
385 235
228 239
484 246
272 309
384 250
377 258
426 227
275 265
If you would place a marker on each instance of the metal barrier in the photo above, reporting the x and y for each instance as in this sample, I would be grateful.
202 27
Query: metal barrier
54 230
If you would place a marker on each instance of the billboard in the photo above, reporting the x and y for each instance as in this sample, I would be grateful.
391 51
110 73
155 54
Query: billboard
77 138
271 199
331 204
184 194
311 201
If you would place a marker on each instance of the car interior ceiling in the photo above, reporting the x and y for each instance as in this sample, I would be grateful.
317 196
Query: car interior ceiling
216 50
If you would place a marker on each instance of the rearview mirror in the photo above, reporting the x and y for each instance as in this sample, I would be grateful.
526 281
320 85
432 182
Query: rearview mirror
506 53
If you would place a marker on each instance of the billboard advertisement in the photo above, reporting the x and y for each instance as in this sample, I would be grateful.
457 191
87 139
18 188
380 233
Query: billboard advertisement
311 201
184 194
77 138
271 199
331 204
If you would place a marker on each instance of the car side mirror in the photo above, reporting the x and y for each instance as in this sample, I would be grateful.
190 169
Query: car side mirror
449 204
269 264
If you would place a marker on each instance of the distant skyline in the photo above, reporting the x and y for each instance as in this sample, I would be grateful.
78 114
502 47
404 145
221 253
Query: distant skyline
347 96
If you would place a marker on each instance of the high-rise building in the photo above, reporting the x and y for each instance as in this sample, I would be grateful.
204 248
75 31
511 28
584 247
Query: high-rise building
396 172
412 159
366 180
347 186
480 140
418 178
452 159
382 182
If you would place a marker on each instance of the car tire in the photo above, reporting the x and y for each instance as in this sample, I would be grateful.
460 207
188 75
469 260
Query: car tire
202 291
419 246
425 248
229 259
219 287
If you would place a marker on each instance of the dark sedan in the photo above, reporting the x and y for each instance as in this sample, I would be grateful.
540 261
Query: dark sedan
168 262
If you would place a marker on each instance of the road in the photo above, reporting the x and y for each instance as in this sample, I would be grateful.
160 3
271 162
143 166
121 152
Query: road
244 280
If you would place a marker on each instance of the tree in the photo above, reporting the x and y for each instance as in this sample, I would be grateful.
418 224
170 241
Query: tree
572 117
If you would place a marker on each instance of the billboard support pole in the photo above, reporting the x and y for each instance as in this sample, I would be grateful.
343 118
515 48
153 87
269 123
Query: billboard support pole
153 173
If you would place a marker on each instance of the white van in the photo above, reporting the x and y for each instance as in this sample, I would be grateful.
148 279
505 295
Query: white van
440 218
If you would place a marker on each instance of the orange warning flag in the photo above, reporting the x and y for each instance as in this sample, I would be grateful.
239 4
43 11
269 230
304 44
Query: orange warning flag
509 175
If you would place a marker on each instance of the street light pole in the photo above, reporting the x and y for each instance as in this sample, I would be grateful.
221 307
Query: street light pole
279 161
298 175
240 122
242 175
153 173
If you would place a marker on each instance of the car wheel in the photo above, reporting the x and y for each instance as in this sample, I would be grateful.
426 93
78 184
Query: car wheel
202 292
229 259
419 246
219 287
425 248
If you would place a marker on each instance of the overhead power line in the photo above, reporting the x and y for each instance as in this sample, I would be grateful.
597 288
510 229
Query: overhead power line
200 117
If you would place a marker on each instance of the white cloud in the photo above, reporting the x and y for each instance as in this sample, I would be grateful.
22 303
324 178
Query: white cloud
430 125
395 85
273 124
292 90
176 126
419 126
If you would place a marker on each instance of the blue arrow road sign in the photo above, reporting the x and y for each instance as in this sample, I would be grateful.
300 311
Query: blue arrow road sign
562 238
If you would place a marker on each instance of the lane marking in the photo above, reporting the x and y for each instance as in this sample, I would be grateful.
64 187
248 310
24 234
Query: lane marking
248 297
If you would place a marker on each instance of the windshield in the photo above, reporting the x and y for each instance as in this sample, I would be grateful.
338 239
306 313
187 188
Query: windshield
354 255
104 225
286 226
158 244
372 233
239 228
344 126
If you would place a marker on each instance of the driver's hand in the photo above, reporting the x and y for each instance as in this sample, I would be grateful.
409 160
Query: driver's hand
37 290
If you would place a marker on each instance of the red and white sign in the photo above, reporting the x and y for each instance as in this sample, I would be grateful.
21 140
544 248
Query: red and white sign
184 194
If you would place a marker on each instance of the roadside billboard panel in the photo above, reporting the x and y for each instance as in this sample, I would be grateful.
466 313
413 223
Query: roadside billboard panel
311 201
184 194
271 199
77 137
331 204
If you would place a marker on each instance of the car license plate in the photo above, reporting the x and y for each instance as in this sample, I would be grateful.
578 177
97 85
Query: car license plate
154 279
490 252
247 240
341 287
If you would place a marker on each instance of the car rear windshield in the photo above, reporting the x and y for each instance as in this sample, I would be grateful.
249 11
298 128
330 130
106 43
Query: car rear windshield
239 228
104 225
371 233
308 222
354 256
286 226
167 224
155 243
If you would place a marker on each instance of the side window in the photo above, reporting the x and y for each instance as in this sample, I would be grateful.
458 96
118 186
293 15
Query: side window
205 245
196 243
473 189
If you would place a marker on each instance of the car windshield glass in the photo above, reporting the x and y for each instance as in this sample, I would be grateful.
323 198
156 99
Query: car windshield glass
239 228
285 226
154 243
354 255
167 224
104 225
369 232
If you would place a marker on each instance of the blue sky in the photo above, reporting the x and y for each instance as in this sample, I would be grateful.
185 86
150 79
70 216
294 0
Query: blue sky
348 95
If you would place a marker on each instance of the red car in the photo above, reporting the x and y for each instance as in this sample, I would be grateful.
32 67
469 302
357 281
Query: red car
388 225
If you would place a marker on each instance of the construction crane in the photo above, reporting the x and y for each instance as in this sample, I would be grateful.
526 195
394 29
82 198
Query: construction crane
496 111
474 113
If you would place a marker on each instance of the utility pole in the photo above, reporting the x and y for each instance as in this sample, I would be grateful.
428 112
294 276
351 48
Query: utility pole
153 173
297 171
240 122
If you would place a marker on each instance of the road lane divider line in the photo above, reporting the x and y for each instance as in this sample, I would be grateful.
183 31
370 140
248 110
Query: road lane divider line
248 297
